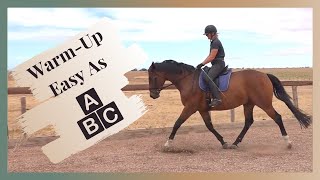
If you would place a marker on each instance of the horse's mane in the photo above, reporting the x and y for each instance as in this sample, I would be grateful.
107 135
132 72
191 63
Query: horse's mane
172 66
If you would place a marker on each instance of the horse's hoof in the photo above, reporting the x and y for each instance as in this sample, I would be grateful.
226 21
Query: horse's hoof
289 146
233 146
168 143
225 146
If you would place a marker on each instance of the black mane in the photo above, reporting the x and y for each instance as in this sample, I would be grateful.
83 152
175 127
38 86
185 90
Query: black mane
172 66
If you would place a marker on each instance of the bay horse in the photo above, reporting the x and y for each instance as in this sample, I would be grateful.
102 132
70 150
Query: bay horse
249 88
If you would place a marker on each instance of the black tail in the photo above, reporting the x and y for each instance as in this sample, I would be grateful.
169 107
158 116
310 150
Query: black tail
280 93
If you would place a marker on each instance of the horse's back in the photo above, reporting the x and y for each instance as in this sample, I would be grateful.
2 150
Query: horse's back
250 76
247 86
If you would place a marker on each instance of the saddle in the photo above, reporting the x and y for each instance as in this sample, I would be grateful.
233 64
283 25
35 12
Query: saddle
222 81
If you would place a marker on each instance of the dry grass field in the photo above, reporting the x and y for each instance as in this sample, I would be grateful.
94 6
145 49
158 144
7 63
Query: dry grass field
163 111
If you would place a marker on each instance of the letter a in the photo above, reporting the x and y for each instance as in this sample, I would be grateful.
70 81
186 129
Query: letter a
88 100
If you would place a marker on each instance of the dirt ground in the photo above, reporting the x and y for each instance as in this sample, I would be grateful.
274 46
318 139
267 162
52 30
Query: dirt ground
195 149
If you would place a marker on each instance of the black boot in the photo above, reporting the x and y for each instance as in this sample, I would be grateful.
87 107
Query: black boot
215 95
215 102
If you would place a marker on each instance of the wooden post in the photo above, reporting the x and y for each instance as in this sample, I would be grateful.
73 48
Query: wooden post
295 95
23 104
232 115
23 109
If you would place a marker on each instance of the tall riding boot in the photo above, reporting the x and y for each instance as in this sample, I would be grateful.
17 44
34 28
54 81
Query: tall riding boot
215 95
217 67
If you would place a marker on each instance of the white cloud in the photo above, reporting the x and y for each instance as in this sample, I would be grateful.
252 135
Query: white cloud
47 23
42 34
259 26
290 52
173 24
52 17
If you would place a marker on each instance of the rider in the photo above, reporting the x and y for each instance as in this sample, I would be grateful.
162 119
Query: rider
216 57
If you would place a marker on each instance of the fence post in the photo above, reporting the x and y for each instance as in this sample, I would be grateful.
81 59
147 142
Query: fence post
295 95
232 115
23 102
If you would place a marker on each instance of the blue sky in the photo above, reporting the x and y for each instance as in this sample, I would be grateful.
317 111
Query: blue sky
252 37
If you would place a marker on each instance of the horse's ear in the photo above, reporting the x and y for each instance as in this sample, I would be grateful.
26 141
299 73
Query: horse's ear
153 66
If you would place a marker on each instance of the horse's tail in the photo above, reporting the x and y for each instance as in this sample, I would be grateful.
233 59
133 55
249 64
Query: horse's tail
280 93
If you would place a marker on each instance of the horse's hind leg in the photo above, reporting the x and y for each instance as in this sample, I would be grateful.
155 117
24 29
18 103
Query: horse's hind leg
248 114
207 120
186 113
278 119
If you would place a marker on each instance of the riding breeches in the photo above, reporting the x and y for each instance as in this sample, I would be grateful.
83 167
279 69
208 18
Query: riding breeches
217 67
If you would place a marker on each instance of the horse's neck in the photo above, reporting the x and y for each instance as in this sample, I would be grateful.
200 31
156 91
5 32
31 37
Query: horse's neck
183 82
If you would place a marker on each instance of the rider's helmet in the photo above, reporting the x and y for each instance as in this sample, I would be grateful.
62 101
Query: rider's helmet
210 29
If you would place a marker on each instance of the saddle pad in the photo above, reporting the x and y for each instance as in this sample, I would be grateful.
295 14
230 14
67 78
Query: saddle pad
223 81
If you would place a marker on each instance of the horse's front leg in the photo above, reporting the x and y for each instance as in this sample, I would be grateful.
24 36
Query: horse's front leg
207 120
186 113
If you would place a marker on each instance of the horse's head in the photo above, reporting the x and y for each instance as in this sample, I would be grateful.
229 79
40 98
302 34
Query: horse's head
156 81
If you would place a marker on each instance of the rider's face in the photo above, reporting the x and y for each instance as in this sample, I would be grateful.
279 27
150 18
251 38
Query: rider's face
209 35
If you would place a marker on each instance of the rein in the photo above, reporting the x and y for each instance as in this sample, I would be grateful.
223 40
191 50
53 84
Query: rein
164 87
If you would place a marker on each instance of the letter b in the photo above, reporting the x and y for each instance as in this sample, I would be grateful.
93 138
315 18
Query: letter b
90 125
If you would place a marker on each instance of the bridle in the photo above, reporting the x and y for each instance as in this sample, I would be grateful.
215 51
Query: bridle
154 81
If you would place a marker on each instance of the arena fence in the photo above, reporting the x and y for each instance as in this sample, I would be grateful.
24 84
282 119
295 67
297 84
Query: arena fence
138 87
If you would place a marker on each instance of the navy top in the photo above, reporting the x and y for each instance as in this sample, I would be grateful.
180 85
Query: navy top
216 44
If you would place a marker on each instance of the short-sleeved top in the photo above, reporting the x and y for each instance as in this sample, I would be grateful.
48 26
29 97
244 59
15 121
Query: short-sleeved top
216 44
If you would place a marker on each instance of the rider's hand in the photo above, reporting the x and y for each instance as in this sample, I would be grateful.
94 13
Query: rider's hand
199 66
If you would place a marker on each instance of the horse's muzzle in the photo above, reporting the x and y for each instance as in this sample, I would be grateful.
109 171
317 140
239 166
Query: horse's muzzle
154 94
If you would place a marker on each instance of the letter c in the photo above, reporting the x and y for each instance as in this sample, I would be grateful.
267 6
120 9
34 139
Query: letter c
106 117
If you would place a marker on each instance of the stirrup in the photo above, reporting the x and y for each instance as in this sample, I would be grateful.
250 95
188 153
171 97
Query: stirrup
215 102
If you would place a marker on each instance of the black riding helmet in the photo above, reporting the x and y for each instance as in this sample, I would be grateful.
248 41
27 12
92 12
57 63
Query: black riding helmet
210 29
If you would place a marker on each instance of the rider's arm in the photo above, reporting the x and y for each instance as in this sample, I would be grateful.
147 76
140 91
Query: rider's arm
211 56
